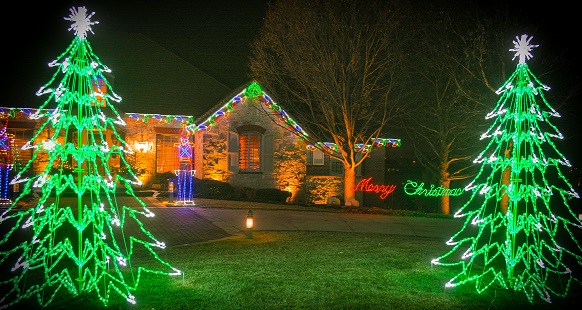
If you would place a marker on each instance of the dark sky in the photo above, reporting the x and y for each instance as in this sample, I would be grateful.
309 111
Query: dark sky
213 35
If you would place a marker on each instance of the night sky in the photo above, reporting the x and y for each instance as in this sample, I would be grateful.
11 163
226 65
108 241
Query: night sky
214 36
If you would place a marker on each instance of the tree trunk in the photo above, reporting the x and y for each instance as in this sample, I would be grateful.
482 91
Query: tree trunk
349 182
445 199
445 180
505 179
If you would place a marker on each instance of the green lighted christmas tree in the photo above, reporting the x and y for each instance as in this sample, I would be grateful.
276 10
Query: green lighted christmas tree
54 248
519 230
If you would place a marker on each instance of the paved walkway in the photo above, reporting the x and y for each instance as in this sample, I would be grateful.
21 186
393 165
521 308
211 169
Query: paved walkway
208 217
213 219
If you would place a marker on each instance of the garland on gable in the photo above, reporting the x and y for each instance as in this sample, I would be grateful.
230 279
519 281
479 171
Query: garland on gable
252 91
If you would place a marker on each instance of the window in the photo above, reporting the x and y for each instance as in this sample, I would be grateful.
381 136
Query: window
317 157
337 167
20 157
166 152
249 152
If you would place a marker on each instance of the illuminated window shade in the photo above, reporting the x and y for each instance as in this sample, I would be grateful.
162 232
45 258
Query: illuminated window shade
250 152
18 155
318 158
166 152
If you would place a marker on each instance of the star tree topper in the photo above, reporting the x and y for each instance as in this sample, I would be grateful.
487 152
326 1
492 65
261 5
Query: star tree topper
522 48
81 22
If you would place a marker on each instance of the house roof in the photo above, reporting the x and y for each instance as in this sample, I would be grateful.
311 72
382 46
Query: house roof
219 104
151 79
249 90
276 113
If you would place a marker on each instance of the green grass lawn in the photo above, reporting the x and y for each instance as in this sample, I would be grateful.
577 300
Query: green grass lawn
310 270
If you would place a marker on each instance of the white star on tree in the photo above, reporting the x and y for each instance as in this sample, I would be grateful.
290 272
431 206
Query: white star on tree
81 21
522 48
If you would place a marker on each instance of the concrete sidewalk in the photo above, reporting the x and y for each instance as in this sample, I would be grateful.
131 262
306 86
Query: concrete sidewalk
233 221
211 219
230 217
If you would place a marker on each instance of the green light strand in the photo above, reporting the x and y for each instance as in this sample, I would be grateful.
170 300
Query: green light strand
519 226
82 248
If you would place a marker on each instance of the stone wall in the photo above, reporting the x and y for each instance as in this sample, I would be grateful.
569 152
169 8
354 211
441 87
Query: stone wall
289 151
211 153
290 164
320 188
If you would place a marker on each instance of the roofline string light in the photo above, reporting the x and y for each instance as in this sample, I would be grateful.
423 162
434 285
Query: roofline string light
364 148
251 91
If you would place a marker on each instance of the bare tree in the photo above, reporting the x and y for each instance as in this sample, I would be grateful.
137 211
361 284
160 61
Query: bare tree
444 125
334 66
458 60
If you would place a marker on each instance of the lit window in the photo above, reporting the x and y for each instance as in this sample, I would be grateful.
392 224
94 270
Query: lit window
166 152
250 152
318 159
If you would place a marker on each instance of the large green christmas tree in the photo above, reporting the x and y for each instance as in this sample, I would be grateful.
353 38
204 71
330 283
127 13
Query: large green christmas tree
519 230
58 247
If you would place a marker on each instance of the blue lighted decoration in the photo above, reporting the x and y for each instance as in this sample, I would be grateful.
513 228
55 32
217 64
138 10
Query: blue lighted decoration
5 160
185 173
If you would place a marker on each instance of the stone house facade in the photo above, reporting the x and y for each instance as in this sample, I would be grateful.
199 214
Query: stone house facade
248 141
251 120
238 143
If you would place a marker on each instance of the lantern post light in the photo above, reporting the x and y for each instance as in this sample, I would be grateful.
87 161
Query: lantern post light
249 224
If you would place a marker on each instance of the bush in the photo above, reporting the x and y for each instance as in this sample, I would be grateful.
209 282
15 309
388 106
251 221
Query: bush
212 189
244 193
162 180
271 195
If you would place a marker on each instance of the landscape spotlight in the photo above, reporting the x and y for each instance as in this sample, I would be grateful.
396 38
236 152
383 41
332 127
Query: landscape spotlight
250 223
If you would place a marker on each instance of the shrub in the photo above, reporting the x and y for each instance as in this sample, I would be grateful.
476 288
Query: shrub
271 195
244 193
162 180
212 189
